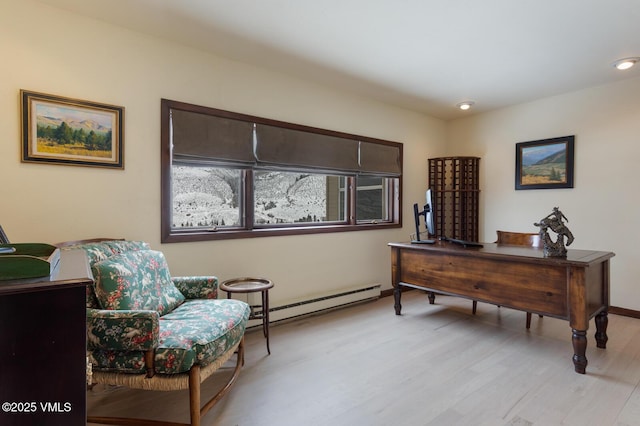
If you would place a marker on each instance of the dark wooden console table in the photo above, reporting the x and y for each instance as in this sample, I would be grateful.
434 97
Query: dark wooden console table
43 332
575 288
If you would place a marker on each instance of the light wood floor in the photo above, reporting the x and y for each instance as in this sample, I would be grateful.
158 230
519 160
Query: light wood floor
433 365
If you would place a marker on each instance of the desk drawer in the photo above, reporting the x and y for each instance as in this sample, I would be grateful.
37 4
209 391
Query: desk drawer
525 286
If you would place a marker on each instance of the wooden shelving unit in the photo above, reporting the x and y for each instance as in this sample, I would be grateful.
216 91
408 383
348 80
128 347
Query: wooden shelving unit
454 182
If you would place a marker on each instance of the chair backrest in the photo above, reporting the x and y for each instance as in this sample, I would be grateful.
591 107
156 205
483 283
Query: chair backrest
529 239
97 250
88 241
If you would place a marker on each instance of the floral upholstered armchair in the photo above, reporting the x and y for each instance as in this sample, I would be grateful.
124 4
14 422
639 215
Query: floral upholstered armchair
148 330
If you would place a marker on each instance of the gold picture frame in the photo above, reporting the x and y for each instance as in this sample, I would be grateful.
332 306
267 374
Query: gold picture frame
60 130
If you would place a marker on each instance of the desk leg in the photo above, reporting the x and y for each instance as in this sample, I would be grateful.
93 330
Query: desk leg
602 320
579 340
397 293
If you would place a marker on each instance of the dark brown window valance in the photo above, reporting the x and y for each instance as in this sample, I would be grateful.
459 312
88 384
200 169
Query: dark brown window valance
380 159
279 146
206 137
212 136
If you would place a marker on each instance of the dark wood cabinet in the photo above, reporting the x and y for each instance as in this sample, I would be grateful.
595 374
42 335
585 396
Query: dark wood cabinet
43 346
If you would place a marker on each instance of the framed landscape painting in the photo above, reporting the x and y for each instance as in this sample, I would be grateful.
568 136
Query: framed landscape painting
69 131
545 164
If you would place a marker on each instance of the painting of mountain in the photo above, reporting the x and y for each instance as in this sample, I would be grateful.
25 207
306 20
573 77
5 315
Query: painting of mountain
545 164
86 124
70 131
543 154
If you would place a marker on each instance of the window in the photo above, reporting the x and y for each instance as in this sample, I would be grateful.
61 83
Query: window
372 199
290 198
205 197
228 175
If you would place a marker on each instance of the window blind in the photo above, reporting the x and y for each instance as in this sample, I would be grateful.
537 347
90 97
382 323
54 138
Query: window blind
380 159
278 146
200 136
203 137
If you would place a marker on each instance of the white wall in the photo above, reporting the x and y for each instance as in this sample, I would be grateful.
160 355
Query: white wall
603 208
49 50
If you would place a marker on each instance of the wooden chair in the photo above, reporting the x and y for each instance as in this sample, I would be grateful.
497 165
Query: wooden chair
525 239
528 239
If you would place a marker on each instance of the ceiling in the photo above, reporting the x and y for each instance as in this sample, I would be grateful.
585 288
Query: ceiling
423 55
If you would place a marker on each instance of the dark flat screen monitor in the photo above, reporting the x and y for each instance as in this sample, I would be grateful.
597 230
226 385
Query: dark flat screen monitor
428 216
427 212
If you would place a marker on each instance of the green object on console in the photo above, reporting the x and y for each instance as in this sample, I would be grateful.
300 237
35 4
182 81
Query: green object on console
28 260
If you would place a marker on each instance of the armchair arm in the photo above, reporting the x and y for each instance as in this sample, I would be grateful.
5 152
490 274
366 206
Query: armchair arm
122 330
197 287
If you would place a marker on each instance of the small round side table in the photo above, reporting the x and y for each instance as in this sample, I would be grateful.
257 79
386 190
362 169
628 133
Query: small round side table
252 285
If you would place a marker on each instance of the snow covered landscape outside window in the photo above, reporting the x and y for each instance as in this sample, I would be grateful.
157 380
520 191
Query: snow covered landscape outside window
291 197
209 197
206 197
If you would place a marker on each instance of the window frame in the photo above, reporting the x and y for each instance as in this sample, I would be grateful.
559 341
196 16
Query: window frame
169 234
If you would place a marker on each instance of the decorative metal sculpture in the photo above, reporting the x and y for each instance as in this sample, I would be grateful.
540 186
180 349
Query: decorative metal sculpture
554 221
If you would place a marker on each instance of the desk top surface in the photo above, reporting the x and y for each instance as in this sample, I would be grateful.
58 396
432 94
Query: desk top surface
509 252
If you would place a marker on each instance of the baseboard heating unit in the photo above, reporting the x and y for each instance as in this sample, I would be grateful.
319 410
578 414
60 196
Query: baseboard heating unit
320 303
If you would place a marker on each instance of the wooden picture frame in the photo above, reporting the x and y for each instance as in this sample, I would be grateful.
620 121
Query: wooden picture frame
59 130
545 164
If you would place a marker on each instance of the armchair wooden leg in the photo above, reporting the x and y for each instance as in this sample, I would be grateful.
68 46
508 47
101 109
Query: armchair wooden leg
474 307
194 395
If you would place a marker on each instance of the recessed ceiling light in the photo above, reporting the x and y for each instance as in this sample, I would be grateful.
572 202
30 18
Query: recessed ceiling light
465 105
626 63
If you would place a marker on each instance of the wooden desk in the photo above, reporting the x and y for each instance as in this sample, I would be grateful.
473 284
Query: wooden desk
575 288
43 332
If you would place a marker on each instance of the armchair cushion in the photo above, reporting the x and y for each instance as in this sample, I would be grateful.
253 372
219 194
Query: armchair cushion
101 250
199 332
136 280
